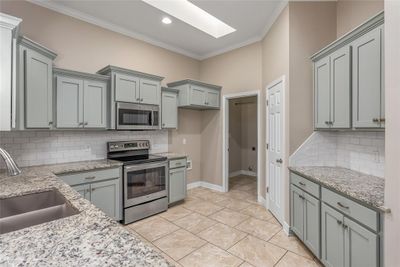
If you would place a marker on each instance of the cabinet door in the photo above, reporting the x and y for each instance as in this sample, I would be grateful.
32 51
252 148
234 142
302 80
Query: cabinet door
361 246
106 196
177 185
94 104
367 79
297 211
340 84
84 190
312 228
169 110
69 102
212 98
150 92
332 237
197 95
126 88
38 90
322 93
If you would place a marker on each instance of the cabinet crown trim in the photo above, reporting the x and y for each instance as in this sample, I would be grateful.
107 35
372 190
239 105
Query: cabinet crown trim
108 69
195 82
25 41
367 26
167 89
83 75
8 21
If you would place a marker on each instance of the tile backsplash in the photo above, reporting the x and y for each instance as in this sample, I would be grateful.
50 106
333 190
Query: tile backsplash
30 148
359 151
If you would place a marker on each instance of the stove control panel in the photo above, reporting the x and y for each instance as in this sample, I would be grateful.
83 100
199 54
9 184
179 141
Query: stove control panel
128 145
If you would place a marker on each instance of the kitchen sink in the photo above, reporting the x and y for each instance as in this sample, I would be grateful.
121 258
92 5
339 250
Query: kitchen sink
27 210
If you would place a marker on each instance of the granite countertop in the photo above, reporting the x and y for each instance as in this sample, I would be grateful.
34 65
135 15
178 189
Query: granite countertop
172 155
89 238
367 189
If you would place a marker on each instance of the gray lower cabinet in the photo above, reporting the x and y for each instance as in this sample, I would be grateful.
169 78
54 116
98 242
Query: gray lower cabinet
169 108
35 88
81 99
197 95
345 242
305 218
368 100
177 185
101 187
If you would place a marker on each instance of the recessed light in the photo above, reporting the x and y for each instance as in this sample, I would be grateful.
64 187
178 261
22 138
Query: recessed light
166 20
193 15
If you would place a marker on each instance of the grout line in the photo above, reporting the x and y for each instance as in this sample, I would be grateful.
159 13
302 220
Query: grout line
281 257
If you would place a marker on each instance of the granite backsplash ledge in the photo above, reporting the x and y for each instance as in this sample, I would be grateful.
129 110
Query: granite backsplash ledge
31 148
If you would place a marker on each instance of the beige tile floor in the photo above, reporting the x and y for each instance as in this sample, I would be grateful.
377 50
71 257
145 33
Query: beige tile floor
222 229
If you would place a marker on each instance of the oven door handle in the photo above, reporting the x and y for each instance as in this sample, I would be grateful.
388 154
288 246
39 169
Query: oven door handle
139 167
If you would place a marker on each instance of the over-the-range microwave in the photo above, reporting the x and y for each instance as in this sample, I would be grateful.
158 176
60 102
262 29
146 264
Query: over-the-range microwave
137 116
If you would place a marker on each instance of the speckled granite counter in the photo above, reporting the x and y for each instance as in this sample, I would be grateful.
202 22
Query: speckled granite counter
364 188
89 238
171 155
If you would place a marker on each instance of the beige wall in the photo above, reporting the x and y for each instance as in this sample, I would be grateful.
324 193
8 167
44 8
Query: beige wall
85 47
235 137
236 71
392 133
352 13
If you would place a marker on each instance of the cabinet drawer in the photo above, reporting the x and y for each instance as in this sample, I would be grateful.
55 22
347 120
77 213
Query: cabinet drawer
176 163
90 176
305 184
364 215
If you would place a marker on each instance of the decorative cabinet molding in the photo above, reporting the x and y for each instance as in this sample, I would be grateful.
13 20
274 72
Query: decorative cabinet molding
35 88
169 108
81 99
351 68
197 95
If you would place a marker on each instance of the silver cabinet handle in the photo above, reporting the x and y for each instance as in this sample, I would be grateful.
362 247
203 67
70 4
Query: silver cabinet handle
86 123
90 177
81 123
375 120
382 120
345 227
279 161
327 122
342 206
339 222
93 189
50 122
302 184
300 196
141 100
178 164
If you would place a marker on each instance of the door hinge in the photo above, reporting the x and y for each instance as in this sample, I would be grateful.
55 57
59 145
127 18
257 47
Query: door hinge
267 189
267 102
267 146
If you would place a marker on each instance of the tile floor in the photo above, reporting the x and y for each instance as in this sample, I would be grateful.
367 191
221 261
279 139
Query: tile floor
222 229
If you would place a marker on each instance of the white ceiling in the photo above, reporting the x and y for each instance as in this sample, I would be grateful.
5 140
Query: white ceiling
251 19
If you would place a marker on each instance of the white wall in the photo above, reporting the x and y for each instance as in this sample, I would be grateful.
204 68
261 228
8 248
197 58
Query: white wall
359 151
48 147
392 99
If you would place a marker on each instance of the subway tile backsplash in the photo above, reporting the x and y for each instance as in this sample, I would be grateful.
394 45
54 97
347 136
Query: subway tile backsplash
359 151
30 148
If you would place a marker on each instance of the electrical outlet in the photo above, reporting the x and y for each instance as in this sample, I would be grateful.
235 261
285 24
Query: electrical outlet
184 141
189 164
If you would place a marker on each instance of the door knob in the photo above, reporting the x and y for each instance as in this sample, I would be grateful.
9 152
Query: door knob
279 161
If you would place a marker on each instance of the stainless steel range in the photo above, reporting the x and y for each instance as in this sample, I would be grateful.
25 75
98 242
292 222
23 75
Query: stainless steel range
145 179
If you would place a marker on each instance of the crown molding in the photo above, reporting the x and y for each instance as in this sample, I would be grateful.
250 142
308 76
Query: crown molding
52 5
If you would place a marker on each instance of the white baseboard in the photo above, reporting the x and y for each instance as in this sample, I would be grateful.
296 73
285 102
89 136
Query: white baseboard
242 172
286 229
262 201
205 185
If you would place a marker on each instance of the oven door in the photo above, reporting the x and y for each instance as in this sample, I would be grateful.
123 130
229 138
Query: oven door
145 182
137 117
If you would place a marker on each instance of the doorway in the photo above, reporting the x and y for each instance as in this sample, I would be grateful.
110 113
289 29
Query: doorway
241 134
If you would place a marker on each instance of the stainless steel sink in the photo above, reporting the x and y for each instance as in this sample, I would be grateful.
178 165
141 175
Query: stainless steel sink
28 210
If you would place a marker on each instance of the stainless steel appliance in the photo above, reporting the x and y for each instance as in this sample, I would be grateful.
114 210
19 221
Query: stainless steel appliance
137 116
145 179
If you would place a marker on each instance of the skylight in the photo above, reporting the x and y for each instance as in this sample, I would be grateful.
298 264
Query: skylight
193 15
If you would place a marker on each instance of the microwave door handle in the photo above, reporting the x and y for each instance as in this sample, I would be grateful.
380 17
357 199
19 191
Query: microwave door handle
152 118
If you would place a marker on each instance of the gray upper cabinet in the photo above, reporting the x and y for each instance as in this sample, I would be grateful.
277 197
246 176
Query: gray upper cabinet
348 79
197 95
367 80
149 91
80 99
169 108
128 88
35 98
322 93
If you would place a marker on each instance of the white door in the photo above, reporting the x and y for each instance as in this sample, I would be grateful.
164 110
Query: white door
275 151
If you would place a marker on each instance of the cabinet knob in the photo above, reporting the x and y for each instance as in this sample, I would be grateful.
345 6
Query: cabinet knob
141 100
327 122
302 184
375 120
382 120
50 122
279 161
81 123
163 124
86 123
339 222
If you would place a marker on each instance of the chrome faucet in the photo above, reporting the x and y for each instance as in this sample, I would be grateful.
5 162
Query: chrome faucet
12 167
